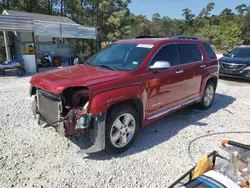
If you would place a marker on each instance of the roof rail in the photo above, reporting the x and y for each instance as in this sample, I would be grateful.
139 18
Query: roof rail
141 37
185 37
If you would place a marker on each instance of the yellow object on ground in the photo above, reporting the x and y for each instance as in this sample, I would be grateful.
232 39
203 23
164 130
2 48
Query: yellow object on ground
203 166
244 186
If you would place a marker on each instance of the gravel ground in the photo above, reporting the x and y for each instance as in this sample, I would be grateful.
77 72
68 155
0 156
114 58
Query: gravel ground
31 156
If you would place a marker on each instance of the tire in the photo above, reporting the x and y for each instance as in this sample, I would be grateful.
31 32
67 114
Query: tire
207 101
2 71
20 71
128 130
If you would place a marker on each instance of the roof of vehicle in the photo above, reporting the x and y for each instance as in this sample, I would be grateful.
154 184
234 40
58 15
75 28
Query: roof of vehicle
153 41
243 47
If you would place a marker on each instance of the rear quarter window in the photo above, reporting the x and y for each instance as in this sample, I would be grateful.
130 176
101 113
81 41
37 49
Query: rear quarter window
210 52
189 53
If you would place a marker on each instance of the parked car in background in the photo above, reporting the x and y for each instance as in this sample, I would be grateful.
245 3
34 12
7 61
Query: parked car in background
125 87
236 63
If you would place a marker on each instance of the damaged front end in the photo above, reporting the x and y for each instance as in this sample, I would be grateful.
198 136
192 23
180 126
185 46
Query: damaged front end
68 114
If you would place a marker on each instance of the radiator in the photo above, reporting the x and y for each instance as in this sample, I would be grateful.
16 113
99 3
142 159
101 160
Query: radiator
49 107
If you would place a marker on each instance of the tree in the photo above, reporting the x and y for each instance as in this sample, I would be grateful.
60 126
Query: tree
227 12
187 14
140 25
210 33
241 9
114 21
157 25
189 18
245 28
230 35
205 13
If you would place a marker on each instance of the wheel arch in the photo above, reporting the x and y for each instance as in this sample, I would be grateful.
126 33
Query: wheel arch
213 79
136 103
32 90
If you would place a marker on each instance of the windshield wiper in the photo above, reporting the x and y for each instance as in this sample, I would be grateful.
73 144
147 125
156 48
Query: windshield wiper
105 66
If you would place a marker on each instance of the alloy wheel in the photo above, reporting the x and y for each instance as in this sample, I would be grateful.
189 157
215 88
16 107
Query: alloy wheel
122 130
209 95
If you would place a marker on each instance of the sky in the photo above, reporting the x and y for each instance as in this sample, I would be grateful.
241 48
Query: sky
173 8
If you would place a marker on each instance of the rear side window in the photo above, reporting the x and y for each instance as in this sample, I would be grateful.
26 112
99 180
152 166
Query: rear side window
209 50
189 53
167 53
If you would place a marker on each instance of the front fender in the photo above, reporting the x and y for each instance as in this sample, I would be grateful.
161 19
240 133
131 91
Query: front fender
101 102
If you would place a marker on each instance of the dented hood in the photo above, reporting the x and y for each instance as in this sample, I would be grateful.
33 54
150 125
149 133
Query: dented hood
56 81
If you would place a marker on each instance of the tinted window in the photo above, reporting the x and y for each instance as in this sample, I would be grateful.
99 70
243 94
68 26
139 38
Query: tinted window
209 51
232 53
240 52
167 53
189 53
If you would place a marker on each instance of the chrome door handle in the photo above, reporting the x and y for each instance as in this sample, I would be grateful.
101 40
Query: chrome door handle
203 66
179 71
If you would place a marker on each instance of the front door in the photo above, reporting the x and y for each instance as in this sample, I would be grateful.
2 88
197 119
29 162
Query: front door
191 61
164 87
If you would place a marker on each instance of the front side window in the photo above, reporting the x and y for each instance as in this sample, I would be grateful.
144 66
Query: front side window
121 56
232 53
189 53
167 53
240 53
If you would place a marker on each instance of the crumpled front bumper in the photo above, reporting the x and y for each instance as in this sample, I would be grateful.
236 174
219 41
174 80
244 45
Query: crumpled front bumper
90 140
92 134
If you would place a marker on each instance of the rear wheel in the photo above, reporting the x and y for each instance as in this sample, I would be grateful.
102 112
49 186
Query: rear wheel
122 128
208 96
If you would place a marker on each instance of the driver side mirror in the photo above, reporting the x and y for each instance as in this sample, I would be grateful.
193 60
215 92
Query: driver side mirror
158 65
76 61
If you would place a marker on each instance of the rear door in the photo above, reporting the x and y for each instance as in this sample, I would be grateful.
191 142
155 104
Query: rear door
191 60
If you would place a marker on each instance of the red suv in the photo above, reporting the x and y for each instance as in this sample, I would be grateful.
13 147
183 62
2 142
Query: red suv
124 87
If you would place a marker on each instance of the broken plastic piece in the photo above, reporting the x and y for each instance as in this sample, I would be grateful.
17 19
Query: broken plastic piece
83 121
77 123
204 165
224 142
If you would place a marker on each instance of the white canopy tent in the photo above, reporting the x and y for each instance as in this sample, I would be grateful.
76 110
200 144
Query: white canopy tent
40 25
44 25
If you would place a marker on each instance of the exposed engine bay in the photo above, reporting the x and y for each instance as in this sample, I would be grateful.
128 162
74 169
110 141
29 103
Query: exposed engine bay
68 114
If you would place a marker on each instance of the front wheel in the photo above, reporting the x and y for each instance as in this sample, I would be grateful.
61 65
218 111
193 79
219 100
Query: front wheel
122 128
208 96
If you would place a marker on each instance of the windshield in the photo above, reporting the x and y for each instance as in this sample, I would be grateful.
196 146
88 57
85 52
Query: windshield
240 52
120 56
